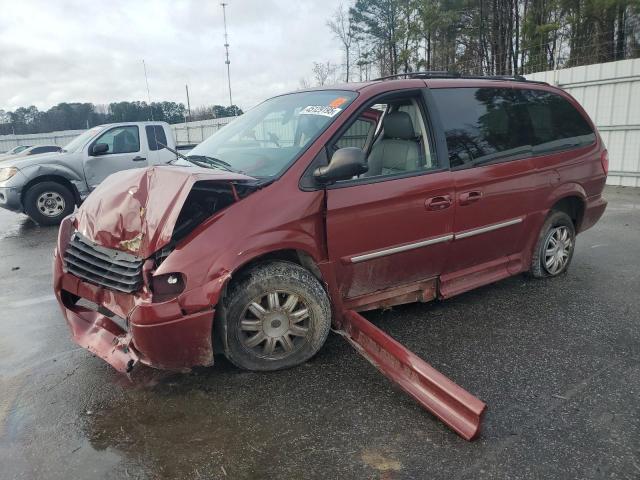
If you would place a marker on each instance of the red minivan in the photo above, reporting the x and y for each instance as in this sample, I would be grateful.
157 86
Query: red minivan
326 201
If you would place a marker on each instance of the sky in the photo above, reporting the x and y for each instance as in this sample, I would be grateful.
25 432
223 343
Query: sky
92 51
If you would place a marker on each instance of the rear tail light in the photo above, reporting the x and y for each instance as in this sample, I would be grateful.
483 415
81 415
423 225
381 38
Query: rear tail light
604 158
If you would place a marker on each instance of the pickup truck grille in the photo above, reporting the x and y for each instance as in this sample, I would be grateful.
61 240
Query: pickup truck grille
102 266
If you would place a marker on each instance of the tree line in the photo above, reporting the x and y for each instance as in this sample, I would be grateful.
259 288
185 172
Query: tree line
78 116
481 37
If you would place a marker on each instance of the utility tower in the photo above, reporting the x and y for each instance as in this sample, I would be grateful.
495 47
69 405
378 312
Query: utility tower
226 47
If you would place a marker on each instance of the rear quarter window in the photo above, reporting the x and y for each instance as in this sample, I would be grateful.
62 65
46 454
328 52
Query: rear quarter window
555 123
487 125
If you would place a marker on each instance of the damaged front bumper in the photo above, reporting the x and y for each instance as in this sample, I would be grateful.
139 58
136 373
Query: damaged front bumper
102 337
124 329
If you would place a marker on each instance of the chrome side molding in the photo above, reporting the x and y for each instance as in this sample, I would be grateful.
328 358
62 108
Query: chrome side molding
433 241
401 248
488 228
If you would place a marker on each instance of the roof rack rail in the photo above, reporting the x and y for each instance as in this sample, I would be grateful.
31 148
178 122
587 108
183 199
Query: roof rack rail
423 74
447 74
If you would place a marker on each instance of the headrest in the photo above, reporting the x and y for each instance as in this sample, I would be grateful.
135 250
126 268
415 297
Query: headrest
398 125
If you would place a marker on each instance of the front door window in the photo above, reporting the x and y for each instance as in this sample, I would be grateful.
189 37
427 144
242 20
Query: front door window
121 140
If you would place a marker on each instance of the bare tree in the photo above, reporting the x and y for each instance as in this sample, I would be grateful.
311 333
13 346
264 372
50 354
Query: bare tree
342 29
324 72
304 83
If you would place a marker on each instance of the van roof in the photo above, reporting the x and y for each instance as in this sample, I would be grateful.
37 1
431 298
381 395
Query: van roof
433 80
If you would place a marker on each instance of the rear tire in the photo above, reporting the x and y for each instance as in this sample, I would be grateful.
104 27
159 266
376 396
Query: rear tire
554 249
277 317
47 203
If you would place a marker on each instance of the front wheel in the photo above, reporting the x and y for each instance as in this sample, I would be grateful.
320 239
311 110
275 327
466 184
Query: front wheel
277 317
554 249
47 203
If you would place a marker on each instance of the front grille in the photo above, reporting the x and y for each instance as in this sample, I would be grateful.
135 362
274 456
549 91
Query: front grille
102 266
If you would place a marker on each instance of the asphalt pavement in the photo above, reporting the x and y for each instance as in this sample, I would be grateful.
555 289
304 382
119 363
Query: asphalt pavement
557 361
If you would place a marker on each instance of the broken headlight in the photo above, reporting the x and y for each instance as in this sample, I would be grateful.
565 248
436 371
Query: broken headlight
167 286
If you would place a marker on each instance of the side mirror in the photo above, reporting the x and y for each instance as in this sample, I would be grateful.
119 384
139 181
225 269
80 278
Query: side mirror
346 163
99 148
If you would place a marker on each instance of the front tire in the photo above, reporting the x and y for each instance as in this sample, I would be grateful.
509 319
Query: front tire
47 203
277 317
554 249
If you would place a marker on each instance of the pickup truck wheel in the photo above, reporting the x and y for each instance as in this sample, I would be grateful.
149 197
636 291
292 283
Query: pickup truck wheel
554 249
47 203
277 317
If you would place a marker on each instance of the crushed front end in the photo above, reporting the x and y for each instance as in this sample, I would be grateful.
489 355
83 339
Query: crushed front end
108 301
110 275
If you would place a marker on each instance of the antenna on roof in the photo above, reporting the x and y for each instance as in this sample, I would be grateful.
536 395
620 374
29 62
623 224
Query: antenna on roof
146 79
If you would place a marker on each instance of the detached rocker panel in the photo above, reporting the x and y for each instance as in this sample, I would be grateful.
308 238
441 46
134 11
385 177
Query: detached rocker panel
453 405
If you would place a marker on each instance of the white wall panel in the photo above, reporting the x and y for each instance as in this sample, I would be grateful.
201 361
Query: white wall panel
610 93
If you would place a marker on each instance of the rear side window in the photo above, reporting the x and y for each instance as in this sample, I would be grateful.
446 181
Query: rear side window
555 123
155 137
483 125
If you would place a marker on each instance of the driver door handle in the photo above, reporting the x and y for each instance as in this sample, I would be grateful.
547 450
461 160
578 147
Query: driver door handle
139 159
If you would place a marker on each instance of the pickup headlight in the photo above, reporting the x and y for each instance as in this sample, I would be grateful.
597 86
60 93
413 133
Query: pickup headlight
7 172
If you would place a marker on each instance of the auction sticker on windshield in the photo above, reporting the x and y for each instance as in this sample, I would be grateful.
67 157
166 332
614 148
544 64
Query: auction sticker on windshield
320 110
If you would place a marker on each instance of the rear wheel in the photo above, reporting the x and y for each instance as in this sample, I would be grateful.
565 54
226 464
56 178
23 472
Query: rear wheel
554 249
277 317
47 203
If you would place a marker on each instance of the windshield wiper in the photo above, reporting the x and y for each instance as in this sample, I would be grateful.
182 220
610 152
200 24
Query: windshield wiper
208 161
175 152
216 162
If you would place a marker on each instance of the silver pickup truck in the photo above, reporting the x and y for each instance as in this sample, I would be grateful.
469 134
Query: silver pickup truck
47 187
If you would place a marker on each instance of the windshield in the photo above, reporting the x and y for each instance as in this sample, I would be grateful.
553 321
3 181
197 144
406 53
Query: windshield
266 139
79 142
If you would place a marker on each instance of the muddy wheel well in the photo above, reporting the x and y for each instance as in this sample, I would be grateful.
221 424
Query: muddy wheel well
295 256
52 178
572 206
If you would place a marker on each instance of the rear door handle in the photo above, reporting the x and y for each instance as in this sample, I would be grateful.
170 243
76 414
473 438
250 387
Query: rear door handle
139 159
469 197
438 203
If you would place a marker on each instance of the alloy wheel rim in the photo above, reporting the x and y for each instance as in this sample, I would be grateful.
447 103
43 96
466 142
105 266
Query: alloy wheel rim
557 250
275 324
50 204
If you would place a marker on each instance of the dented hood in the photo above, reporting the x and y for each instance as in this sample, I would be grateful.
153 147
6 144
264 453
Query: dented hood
136 210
